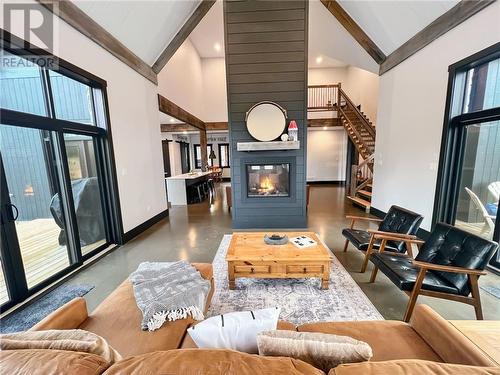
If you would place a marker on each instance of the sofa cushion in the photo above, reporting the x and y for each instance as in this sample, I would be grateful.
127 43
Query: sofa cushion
411 366
50 362
69 316
401 271
210 362
388 339
118 320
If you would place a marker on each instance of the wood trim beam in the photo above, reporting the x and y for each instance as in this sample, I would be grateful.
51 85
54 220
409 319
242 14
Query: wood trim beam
353 28
216 125
177 128
78 19
321 122
182 34
454 17
172 109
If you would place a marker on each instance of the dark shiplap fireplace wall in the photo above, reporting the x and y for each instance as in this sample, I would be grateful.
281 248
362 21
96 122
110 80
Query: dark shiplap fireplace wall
266 59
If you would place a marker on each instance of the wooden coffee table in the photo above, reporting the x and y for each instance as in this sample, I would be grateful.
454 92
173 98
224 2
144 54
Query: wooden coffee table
249 256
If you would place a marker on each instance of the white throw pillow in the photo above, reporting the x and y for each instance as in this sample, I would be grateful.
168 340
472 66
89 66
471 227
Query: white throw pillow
236 330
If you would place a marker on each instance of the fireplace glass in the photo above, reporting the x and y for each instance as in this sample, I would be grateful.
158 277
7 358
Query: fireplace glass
268 180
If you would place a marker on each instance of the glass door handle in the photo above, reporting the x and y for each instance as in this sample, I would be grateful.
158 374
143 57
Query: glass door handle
13 209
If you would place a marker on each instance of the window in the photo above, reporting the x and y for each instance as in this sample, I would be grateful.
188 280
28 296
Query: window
468 189
224 155
197 156
59 200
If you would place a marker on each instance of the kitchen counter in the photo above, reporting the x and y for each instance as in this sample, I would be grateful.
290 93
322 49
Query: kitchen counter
177 186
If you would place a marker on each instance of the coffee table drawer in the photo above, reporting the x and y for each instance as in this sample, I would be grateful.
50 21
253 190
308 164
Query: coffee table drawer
251 269
304 268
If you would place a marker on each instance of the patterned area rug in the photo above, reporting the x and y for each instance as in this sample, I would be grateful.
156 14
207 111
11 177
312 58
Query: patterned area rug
301 300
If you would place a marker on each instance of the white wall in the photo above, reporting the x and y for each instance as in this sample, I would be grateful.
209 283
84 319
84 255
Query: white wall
214 90
181 80
325 76
362 87
133 109
411 113
326 154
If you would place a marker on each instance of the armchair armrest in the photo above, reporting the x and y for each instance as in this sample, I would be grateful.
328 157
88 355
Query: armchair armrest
393 234
440 267
364 218
392 237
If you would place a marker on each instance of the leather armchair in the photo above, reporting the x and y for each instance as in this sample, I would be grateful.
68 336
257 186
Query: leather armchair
400 223
448 265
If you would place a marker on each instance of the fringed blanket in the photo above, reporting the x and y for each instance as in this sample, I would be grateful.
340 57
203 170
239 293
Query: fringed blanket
169 291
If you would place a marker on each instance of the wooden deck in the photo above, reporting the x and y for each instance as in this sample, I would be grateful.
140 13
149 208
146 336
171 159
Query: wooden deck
41 253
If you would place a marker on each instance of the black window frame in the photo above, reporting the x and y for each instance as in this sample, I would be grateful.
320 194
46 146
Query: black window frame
195 154
219 146
105 162
453 140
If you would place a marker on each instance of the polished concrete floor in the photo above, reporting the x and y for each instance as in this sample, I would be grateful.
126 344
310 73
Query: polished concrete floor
194 233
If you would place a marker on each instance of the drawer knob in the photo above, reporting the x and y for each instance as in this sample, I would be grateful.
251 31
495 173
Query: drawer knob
251 270
305 269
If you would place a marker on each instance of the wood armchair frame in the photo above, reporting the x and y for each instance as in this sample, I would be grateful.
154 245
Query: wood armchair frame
472 279
387 235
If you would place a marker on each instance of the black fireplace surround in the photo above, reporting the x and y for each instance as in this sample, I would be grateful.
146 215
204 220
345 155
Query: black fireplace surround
268 180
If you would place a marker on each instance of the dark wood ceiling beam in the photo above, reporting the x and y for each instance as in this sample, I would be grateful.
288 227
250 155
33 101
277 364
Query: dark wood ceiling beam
79 20
172 109
353 28
182 34
454 17
177 128
216 125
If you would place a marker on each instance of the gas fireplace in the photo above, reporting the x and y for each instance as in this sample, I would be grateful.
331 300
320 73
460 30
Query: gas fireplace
268 180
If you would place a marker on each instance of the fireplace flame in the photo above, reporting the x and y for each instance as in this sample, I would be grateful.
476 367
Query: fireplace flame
266 184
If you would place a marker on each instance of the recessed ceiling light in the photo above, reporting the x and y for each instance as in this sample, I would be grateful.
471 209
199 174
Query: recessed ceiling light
184 132
319 59
217 47
324 128
172 119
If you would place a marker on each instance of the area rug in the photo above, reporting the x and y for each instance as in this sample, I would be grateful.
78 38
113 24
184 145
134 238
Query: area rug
27 317
301 300
491 289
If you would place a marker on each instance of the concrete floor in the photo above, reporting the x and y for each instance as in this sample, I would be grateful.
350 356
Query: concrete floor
194 233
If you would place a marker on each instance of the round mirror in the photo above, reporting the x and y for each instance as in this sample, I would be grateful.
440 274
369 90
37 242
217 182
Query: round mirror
266 121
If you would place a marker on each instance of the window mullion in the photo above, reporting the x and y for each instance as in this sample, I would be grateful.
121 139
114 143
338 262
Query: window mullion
47 90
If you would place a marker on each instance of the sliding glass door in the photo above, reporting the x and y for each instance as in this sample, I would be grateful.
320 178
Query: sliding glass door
58 193
468 190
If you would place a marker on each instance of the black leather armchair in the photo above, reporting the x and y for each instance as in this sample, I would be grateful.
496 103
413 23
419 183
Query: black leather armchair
448 265
398 222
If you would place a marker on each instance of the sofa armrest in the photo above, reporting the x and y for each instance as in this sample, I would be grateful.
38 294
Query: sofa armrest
69 316
446 340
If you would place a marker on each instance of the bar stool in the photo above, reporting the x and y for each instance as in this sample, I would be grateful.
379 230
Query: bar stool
211 185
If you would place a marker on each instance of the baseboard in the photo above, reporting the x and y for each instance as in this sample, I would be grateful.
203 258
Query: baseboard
327 182
127 236
421 233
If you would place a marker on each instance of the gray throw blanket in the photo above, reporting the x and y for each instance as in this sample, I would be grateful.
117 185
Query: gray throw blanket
168 291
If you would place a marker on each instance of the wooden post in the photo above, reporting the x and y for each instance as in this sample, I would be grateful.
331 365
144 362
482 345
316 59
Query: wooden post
338 98
203 146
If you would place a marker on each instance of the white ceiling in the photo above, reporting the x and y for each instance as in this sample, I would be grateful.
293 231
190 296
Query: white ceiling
391 23
210 31
144 27
166 119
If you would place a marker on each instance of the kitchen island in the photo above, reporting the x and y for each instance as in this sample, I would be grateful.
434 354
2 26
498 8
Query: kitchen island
178 186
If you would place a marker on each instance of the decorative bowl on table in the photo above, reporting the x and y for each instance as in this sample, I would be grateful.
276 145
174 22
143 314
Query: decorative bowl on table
276 239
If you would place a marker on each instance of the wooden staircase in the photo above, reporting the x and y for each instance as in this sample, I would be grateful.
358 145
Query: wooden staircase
360 130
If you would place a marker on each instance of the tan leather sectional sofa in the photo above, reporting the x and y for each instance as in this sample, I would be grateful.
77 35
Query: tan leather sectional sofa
427 345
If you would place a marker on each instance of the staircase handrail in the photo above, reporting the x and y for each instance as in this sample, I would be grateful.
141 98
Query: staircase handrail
355 131
366 124
368 160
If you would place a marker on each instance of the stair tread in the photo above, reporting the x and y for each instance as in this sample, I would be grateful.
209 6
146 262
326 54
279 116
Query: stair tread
365 192
360 201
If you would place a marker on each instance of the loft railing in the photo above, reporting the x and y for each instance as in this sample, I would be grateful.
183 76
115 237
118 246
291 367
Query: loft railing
322 97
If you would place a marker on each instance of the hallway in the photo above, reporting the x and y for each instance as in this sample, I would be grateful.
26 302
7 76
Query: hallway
194 232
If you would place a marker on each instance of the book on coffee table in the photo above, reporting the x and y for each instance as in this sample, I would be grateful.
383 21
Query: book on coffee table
303 242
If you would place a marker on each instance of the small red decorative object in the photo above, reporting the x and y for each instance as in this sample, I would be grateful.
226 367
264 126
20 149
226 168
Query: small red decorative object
293 131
